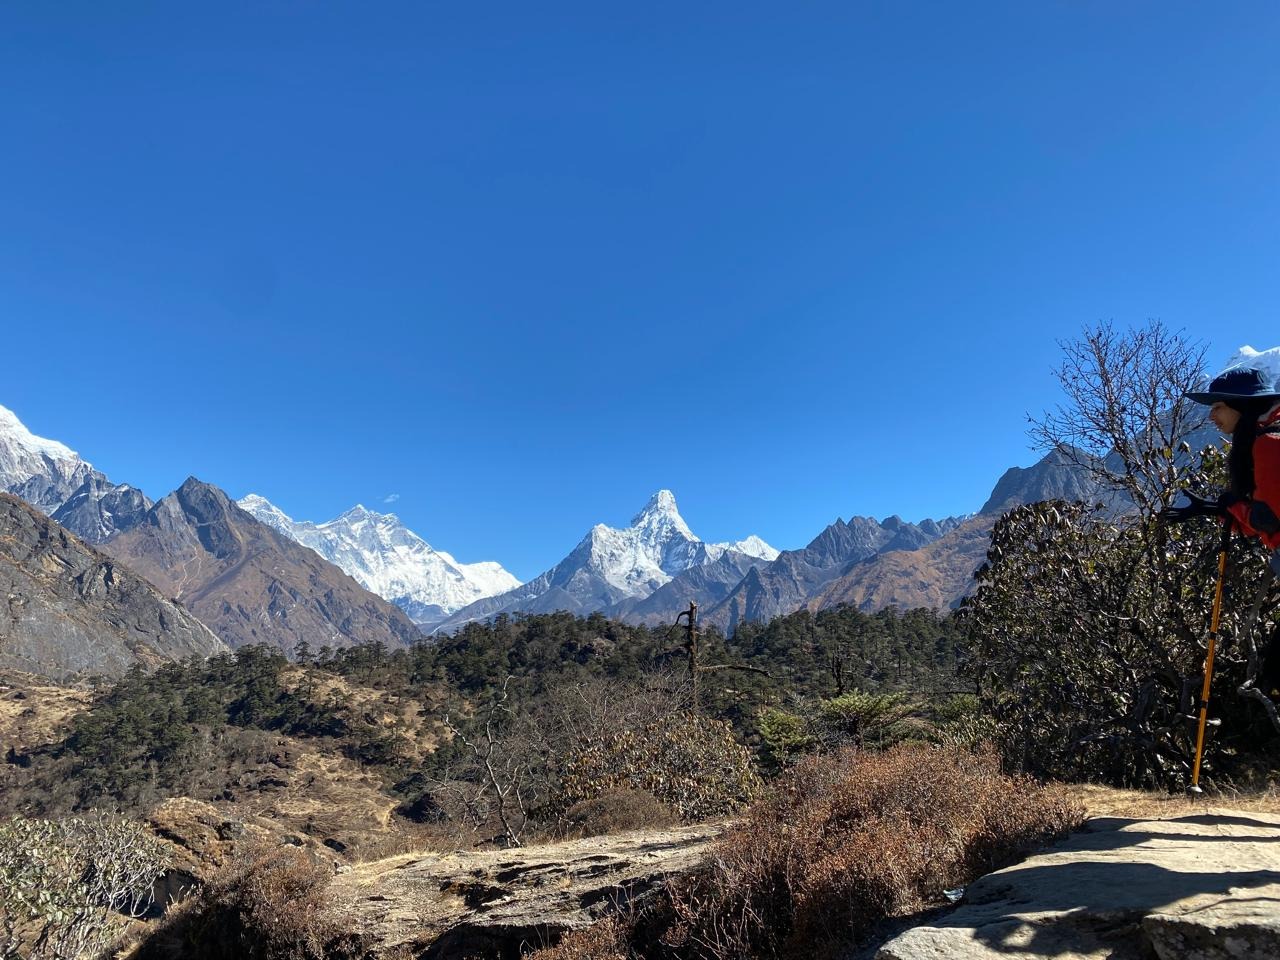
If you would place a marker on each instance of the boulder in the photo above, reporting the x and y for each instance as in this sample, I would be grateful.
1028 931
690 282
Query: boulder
492 903
1205 886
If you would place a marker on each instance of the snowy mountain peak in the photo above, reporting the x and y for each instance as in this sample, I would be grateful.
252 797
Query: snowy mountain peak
752 546
15 436
663 501
612 565
661 517
261 507
1250 359
388 558
45 473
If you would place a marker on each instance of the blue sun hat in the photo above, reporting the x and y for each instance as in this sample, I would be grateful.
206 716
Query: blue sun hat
1237 384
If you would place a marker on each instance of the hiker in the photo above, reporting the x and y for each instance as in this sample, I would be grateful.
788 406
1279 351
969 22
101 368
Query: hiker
1245 404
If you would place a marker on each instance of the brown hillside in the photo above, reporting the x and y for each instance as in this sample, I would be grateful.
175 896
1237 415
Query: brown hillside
938 575
72 611
249 583
34 712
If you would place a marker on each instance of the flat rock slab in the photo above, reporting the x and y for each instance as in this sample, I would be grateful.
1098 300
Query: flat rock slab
491 903
1198 887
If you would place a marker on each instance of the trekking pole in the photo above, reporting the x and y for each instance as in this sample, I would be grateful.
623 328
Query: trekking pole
1208 659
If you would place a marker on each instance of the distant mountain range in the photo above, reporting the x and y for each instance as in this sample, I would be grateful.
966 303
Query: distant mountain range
376 549
611 569
253 574
250 583
388 558
787 583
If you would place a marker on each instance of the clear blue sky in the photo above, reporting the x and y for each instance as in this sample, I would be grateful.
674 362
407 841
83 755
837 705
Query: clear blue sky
523 264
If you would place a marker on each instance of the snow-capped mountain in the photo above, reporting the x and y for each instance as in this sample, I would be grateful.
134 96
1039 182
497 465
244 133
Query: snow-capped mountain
752 546
54 479
387 558
42 472
612 565
1247 358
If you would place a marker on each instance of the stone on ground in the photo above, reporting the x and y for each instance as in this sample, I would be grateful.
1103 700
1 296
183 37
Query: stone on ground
495 903
1204 886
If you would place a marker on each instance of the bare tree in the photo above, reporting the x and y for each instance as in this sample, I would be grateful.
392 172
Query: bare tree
506 765
1125 416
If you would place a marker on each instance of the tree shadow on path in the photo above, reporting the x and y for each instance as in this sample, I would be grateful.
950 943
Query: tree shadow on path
1087 894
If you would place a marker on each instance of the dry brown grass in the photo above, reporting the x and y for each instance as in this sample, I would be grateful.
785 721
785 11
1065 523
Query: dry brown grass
617 811
35 712
845 842
1103 801
841 844
606 940
270 903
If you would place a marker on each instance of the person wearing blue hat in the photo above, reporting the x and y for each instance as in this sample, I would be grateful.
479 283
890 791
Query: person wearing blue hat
1244 404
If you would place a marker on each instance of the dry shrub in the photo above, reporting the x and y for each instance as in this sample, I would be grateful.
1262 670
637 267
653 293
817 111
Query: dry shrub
691 763
606 940
848 840
618 810
271 903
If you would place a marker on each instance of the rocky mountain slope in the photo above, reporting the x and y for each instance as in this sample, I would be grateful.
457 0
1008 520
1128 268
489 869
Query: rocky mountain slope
54 479
1055 476
387 558
706 584
72 611
250 583
937 575
940 574
786 584
611 566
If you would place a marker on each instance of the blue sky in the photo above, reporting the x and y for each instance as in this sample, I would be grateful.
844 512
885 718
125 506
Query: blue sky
523 264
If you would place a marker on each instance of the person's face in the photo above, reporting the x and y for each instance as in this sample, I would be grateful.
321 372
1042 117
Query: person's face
1224 418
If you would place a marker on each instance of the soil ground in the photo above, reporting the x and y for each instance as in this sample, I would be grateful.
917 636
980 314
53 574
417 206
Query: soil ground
1103 801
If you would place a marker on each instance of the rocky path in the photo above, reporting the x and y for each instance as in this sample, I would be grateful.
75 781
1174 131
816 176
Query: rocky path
1202 886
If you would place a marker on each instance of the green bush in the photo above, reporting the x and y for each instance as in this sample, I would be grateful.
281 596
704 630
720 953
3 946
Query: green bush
1087 641
870 719
785 737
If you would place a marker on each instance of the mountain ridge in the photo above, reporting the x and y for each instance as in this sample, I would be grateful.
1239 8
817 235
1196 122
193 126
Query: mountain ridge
54 479
388 559
611 566
73 610
250 583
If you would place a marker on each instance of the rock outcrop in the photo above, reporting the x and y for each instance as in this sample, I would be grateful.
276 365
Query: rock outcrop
1200 887
67 610
99 509
490 903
